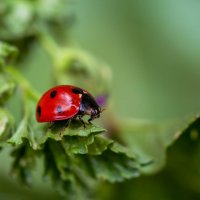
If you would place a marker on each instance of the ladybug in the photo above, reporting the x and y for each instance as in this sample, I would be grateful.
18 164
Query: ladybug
66 102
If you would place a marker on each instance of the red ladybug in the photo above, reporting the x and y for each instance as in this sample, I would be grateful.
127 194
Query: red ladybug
66 102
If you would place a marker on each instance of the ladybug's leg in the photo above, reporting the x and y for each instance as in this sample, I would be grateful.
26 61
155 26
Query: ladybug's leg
65 125
93 116
68 122
90 119
51 125
80 118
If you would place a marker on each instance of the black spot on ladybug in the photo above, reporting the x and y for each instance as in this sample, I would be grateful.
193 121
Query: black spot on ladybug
77 91
59 109
53 94
39 110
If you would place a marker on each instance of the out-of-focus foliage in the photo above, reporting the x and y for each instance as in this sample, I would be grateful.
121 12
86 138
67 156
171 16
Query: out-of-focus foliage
7 53
6 124
22 18
149 140
92 162
178 180
7 87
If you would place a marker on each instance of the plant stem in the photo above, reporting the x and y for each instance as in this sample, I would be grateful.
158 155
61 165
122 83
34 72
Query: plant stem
23 83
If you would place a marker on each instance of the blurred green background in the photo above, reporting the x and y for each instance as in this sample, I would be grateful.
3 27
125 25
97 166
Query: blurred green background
153 49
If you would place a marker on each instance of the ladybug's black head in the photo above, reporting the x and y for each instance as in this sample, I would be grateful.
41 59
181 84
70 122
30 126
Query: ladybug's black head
95 113
88 105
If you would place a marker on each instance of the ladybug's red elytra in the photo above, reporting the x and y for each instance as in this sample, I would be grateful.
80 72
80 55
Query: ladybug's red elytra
66 102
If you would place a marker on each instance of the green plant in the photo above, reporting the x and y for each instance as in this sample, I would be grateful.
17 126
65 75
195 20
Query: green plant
80 159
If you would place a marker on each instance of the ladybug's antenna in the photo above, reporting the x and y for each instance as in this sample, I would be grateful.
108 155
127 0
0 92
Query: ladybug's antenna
102 110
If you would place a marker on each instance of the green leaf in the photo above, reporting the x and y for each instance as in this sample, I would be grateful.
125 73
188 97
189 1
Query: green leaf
21 133
6 125
24 163
99 145
77 174
149 140
61 159
75 128
61 168
77 144
115 164
7 87
28 127
7 53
